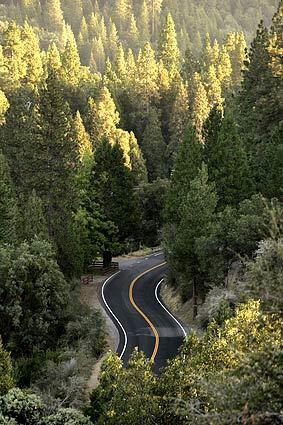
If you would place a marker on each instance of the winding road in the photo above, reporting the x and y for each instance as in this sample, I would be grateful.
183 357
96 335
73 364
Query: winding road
132 299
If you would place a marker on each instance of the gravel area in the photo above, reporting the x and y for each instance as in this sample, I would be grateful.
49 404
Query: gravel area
90 295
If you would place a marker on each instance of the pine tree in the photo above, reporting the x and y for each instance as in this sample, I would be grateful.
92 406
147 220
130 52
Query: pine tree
138 166
53 15
120 63
153 146
71 63
259 100
32 56
113 41
168 47
82 138
276 41
190 66
163 81
226 159
123 12
133 33
185 169
224 70
110 78
93 26
21 139
207 55
200 105
102 117
196 216
13 51
97 57
238 58
143 23
268 165
57 165
103 30
146 87
154 6
114 187
178 120
213 87
53 58
215 53
73 13
8 205
33 224
84 30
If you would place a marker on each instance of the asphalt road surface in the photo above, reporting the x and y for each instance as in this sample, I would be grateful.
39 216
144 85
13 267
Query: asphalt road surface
132 300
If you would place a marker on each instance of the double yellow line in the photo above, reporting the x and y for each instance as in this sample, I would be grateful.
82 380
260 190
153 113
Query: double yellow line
151 325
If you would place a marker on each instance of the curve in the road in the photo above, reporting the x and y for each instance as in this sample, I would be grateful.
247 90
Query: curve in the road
149 322
134 299
167 311
113 314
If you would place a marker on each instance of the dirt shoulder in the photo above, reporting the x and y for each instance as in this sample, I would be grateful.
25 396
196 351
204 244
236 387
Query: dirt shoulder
90 295
183 311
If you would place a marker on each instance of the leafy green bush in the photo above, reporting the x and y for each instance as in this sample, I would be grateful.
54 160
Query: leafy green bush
125 396
66 417
23 407
85 327
33 294
210 368
28 369
264 277
7 421
62 382
18 407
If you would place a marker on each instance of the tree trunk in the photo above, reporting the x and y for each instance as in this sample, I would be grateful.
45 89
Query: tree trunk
195 299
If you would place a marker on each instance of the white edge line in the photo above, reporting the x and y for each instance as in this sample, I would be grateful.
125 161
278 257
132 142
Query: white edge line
115 317
167 311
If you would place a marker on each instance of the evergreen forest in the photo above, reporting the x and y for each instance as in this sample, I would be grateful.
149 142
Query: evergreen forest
141 123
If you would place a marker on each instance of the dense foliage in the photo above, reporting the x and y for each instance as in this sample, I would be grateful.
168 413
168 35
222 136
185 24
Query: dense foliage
218 224
228 375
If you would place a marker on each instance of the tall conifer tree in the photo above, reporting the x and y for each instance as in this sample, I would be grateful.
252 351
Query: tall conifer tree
169 51
113 188
185 169
53 15
153 146
226 159
8 205
57 164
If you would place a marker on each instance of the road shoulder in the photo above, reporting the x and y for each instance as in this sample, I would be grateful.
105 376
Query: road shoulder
91 294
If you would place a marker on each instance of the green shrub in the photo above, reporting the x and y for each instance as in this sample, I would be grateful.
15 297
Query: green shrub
62 383
33 297
66 417
23 407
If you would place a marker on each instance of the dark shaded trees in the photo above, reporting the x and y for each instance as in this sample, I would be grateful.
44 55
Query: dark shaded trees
112 186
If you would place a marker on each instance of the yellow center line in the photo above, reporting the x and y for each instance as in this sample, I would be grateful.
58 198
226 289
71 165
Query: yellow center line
151 325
